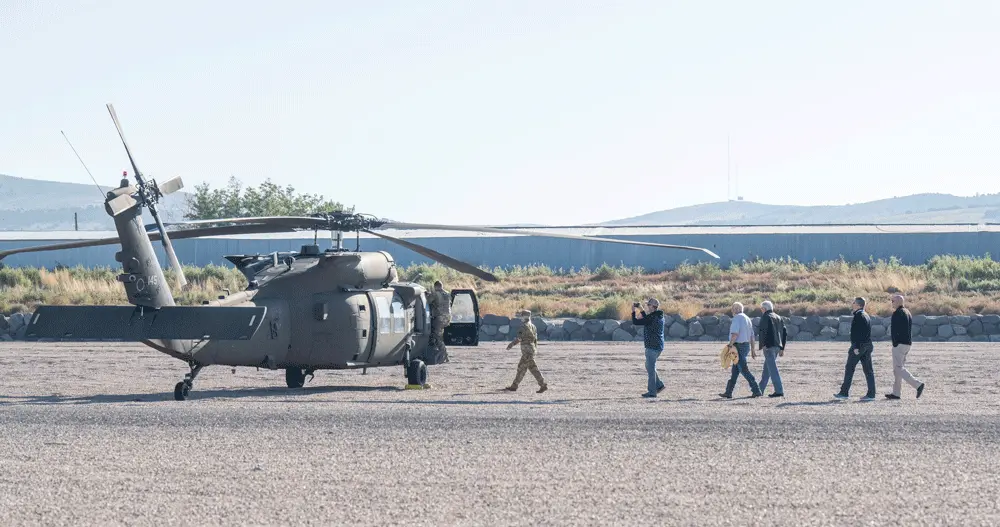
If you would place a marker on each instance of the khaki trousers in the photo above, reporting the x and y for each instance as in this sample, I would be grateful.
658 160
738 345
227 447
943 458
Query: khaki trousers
899 371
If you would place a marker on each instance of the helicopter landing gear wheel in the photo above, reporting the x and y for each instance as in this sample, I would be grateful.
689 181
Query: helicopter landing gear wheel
416 373
295 377
181 391
183 388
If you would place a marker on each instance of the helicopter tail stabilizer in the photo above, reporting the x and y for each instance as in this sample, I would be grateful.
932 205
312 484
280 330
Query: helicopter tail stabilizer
136 324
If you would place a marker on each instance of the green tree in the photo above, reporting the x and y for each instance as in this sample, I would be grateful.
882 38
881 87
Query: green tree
268 199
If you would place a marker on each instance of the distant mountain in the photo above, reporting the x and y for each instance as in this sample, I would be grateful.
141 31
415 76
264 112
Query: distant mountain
35 205
918 208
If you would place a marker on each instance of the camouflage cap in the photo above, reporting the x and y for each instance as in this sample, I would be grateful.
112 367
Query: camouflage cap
524 313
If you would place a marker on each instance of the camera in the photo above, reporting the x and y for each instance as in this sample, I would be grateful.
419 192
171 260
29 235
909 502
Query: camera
636 304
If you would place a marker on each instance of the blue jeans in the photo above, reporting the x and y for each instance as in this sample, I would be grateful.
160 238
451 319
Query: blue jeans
654 383
771 370
742 348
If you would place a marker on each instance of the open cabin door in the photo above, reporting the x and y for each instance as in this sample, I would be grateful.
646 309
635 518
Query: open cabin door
464 328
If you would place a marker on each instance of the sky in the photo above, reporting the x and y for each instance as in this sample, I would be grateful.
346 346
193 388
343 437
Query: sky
555 112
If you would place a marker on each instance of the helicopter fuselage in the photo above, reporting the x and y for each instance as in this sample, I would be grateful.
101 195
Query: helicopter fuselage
331 310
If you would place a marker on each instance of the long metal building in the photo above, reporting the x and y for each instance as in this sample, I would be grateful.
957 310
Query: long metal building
912 244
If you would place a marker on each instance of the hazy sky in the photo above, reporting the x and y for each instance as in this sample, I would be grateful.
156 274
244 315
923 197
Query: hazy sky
503 112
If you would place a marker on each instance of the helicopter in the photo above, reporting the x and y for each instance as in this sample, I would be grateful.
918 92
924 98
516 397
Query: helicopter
301 311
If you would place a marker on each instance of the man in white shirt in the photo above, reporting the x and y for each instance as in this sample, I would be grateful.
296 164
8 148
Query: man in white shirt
741 335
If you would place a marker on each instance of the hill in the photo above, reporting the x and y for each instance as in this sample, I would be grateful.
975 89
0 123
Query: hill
918 208
31 204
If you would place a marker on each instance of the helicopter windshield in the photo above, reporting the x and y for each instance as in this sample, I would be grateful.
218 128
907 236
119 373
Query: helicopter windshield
462 309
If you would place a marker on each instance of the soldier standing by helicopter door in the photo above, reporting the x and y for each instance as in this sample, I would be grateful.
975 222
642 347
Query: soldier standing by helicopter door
440 303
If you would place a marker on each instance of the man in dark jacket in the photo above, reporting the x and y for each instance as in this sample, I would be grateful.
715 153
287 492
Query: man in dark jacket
861 351
653 339
902 325
772 343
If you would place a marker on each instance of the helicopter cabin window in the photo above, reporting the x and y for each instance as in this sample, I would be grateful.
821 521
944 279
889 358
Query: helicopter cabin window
398 316
462 309
384 317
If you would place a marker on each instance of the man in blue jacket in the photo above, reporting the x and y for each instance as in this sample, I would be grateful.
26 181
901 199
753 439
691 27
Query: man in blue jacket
653 339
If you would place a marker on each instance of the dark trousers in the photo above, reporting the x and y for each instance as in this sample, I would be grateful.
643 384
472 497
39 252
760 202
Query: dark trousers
742 349
865 358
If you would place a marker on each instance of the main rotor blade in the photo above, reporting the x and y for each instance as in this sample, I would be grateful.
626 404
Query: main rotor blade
420 226
291 222
153 236
457 265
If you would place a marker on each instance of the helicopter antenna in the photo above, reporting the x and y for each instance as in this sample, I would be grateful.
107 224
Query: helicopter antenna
103 194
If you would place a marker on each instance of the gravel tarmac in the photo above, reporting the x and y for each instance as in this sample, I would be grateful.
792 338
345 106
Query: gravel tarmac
90 435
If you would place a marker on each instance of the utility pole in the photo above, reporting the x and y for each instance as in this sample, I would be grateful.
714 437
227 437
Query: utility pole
76 222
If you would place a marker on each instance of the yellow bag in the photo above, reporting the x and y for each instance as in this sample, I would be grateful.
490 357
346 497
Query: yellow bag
728 356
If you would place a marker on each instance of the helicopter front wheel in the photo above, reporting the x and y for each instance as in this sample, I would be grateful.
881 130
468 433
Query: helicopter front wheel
295 377
416 372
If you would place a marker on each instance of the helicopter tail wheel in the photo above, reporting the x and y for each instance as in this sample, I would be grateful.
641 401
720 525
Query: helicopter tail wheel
295 377
181 391
416 373
183 388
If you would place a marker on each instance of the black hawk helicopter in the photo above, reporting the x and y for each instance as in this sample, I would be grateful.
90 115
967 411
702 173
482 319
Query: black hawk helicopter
301 311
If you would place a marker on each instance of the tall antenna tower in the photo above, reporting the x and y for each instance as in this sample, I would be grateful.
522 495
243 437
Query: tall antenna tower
729 177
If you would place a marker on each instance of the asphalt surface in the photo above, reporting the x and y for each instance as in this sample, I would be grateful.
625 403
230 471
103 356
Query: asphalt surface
91 435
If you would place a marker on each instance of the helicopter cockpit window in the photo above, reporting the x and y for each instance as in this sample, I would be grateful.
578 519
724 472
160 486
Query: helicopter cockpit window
462 309
384 318
398 316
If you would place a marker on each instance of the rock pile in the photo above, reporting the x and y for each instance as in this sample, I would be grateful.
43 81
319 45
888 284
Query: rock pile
963 328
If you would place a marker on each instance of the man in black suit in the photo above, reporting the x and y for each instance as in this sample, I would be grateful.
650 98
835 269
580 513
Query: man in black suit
861 351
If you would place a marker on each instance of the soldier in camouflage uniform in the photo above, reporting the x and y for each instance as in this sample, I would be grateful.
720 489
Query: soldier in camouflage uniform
440 303
527 336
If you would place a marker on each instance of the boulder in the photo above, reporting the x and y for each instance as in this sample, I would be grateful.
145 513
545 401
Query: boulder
961 320
918 320
803 336
620 335
844 328
594 326
627 325
991 319
503 330
828 332
797 321
829 322
570 326
938 320
960 338
989 329
928 331
981 338
4 325
578 334
610 326
945 331
695 329
877 332
516 324
845 319
19 334
678 331
975 327
489 329
540 324
707 338
6 338
495 320
709 321
959 330
993 338
792 330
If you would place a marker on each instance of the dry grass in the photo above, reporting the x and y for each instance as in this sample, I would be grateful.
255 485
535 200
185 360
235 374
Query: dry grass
945 285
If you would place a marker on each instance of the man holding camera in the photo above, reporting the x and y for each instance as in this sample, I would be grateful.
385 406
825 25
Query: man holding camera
652 323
